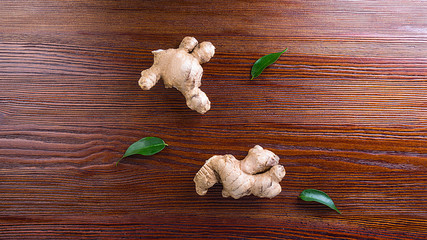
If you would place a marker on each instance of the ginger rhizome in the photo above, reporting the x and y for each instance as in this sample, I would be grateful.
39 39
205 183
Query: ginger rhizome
259 173
181 68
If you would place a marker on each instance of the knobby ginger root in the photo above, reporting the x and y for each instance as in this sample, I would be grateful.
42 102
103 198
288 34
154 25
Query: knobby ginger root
181 68
259 173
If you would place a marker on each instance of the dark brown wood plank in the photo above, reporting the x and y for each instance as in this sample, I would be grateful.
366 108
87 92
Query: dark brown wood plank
298 90
71 195
344 108
376 186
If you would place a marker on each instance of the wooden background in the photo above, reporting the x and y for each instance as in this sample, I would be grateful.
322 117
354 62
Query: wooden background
345 109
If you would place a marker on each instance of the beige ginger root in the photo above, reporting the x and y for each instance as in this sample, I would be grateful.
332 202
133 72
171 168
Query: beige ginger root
259 173
181 68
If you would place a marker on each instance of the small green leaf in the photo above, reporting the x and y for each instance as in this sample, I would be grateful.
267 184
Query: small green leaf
318 196
264 62
147 146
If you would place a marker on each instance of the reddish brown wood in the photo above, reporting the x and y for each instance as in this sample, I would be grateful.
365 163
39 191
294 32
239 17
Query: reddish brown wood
344 108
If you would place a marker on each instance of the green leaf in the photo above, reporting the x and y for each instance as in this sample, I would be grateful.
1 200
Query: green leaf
318 196
146 146
264 62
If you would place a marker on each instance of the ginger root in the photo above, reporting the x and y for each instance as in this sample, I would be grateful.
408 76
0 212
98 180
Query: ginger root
181 68
259 173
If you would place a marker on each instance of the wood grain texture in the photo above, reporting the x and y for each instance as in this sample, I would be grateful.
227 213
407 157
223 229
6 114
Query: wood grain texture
344 108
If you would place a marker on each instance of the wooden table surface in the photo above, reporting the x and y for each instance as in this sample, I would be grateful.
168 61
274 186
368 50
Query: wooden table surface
345 108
